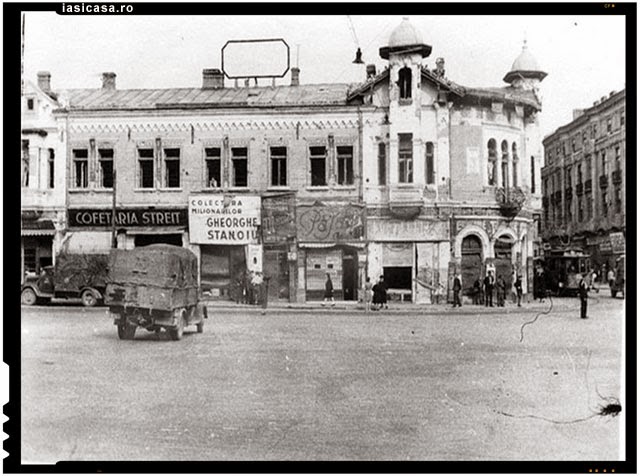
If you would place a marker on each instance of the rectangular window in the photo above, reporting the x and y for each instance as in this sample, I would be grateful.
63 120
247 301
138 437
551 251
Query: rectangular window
603 158
405 158
430 165
618 157
609 125
580 210
573 145
212 162
579 173
587 167
589 206
618 199
568 178
605 204
25 163
622 119
105 159
382 164
533 174
145 168
51 168
345 165
239 165
30 104
172 168
80 168
278 166
318 157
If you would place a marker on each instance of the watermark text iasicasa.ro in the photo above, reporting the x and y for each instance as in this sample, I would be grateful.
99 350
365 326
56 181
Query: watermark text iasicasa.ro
96 8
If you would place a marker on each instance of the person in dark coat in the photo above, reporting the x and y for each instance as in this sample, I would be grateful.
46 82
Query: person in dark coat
381 289
518 286
501 291
583 290
457 287
488 289
477 292
328 291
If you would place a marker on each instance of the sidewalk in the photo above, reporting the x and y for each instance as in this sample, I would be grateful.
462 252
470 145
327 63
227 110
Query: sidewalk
394 307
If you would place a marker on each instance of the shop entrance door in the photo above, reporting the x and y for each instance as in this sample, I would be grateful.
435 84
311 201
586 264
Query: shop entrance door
276 268
349 275
471 263
504 266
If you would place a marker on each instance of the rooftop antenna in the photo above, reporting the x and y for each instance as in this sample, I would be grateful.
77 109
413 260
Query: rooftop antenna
358 59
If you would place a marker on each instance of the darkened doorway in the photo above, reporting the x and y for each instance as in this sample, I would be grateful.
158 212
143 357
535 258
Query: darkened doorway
349 275
471 262
144 240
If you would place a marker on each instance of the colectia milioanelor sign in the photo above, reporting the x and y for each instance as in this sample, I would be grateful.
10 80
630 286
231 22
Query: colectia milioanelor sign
224 219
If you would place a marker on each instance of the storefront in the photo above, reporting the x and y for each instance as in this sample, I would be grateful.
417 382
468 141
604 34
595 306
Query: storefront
36 240
331 242
224 232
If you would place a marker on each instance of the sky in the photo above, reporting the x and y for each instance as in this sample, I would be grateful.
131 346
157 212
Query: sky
584 56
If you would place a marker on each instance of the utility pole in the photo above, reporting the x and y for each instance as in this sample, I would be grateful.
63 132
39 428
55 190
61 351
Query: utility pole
114 236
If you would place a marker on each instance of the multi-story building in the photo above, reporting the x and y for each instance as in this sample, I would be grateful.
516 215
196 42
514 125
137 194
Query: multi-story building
584 183
406 175
42 177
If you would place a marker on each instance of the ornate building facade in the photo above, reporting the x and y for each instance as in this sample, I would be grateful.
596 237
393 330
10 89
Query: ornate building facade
584 183
407 175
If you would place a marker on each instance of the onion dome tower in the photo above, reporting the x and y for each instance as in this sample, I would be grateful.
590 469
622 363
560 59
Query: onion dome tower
525 72
405 39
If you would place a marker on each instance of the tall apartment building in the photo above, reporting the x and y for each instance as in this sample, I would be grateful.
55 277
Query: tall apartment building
407 175
584 183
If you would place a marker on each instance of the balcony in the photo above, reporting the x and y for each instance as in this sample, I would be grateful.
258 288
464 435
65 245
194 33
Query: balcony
510 200
405 201
579 188
604 181
587 186
616 176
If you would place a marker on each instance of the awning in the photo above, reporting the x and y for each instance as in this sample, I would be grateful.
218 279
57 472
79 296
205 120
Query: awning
331 245
36 232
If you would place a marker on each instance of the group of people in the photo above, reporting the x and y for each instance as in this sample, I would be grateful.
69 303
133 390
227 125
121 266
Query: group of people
375 295
482 293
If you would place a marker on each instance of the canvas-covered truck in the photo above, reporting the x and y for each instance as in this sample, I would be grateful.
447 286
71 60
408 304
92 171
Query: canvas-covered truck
75 275
154 287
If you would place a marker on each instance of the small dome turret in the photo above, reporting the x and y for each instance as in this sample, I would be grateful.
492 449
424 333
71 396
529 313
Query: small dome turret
405 39
525 67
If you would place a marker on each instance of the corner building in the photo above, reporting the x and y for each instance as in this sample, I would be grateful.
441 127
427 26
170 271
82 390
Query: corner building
407 175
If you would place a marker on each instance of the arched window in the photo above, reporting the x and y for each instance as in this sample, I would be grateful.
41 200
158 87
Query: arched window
404 81
430 166
533 174
515 165
492 159
505 163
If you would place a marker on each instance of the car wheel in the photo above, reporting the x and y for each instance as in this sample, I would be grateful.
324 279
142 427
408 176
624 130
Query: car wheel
126 331
28 297
177 332
88 298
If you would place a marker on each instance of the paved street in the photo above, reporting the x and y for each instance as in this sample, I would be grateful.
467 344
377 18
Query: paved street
313 384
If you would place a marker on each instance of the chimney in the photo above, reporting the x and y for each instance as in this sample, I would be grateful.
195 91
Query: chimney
108 80
611 93
577 113
212 79
44 81
295 76
371 71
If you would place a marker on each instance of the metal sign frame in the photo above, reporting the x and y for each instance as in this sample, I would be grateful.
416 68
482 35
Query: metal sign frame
267 40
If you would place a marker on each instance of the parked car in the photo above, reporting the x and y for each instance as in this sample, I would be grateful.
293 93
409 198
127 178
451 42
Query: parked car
75 275
154 287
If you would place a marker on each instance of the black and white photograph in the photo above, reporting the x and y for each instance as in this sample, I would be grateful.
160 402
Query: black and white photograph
345 235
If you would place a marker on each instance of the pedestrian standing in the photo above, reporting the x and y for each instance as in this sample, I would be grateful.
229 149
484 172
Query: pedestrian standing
457 287
594 277
518 286
476 292
583 292
382 289
611 278
328 291
501 291
488 289
368 294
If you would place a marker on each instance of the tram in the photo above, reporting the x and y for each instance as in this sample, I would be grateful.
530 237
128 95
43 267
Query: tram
564 270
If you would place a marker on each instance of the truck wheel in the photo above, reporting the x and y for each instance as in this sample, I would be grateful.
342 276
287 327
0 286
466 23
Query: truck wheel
200 327
88 298
126 331
176 333
28 297
613 293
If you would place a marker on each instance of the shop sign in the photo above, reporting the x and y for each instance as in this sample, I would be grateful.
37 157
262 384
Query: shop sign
329 223
127 217
278 219
617 242
409 230
220 219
